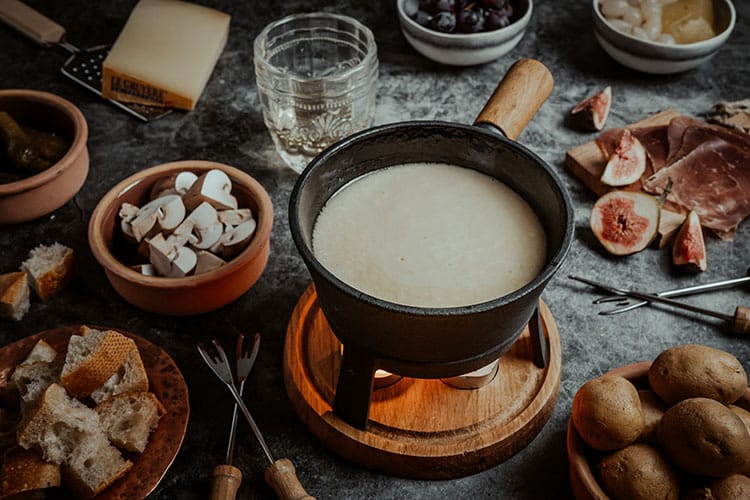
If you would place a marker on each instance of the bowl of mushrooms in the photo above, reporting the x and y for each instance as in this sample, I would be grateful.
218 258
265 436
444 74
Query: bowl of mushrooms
183 238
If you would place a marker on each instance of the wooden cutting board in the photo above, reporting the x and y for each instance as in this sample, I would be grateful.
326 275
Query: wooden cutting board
587 163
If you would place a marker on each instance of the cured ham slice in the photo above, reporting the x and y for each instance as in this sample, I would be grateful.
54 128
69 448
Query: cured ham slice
709 166
714 180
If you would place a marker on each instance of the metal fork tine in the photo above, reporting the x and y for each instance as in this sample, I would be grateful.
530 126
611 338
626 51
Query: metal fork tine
619 300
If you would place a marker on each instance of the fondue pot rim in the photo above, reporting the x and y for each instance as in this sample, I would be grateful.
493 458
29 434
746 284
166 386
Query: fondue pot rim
490 131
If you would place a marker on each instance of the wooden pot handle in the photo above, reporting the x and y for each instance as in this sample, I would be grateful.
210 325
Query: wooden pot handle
518 97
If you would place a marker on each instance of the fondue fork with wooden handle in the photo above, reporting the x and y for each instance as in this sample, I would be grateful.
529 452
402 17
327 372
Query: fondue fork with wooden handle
280 475
226 477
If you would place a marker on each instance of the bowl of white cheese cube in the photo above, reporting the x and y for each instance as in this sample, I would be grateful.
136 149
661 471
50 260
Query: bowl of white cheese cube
662 36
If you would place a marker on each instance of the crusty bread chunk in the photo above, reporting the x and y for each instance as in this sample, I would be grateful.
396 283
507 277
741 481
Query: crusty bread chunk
14 295
130 418
50 268
92 359
32 379
93 465
129 377
42 352
26 470
58 424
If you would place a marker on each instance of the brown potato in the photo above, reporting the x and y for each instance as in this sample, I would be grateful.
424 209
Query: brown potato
743 414
705 437
607 412
653 409
638 472
732 487
697 371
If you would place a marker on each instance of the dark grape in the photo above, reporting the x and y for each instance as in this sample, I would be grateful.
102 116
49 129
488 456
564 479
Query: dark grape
470 21
496 19
444 5
427 5
444 21
464 16
423 18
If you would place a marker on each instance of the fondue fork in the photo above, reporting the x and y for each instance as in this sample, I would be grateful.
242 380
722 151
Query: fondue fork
227 478
280 475
678 292
740 321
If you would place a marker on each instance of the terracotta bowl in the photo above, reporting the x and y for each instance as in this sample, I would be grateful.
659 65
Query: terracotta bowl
46 191
191 294
582 458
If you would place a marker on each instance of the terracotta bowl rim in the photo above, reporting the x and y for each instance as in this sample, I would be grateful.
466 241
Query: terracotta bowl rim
576 447
111 265
77 146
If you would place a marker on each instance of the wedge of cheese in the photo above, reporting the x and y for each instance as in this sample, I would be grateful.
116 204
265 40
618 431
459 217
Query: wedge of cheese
165 54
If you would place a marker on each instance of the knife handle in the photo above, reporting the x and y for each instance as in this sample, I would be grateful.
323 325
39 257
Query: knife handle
282 477
31 23
225 481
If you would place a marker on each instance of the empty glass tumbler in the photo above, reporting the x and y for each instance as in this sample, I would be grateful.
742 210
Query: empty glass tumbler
316 76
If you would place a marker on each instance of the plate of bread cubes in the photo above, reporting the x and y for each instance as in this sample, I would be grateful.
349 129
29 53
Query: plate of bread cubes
88 412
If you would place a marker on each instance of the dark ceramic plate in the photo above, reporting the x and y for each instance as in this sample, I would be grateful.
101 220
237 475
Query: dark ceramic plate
165 381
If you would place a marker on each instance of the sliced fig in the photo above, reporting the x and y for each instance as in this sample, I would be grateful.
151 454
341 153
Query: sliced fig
625 222
689 249
592 112
626 163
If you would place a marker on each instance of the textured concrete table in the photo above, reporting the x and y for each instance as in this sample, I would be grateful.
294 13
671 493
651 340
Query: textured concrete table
227 127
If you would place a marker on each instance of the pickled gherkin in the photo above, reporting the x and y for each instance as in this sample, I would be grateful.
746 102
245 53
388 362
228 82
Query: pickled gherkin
27 151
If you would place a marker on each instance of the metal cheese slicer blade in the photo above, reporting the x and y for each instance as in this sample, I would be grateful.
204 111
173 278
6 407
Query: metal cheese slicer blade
84 66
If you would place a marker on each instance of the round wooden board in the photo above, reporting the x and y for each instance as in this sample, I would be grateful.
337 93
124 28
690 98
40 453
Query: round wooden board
421 428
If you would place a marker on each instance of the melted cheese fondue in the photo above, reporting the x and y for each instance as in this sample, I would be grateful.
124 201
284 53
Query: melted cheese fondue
430 235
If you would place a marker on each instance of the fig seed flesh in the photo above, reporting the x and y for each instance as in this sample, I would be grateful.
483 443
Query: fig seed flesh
625 222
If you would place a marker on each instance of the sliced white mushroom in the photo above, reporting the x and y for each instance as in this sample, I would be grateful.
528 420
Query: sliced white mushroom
215 187
206 228
184 181
235 217
175 262
236 238
146 269
162 214
127 213
207 261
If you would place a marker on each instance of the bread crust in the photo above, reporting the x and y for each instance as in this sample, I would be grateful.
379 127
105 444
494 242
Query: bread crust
25 470
14 295
83 378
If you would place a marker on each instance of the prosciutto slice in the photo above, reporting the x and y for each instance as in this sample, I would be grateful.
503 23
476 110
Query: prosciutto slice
708 165
714 180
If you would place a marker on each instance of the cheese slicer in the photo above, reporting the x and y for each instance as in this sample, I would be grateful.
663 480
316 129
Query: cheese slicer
84 66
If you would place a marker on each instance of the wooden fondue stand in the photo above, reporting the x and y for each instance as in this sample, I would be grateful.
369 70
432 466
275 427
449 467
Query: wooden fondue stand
422 428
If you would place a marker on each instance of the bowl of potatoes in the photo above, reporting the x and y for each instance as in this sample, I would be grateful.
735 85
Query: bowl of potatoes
674 428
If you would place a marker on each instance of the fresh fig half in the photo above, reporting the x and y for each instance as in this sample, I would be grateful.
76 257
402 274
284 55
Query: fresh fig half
689 249
592 112
625 222
626 163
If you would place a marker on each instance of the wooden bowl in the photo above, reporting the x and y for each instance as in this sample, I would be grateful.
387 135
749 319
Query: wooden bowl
46 191
582 458
191 294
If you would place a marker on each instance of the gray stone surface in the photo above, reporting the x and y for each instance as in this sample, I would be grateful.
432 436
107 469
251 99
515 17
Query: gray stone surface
227 127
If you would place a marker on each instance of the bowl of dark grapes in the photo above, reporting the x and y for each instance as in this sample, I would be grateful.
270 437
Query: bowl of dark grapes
463 32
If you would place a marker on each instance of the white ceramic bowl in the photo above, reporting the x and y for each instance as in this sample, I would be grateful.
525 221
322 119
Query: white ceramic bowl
660 58
462 49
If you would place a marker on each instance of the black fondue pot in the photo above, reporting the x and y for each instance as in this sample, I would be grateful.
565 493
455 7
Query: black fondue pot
433 342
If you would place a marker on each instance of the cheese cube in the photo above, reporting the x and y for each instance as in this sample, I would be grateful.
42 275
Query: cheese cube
165 54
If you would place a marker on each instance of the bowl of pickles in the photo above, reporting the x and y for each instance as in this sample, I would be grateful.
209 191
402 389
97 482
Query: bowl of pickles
662 37
44 160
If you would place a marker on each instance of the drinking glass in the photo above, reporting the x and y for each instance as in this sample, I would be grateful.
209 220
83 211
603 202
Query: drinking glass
316 76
